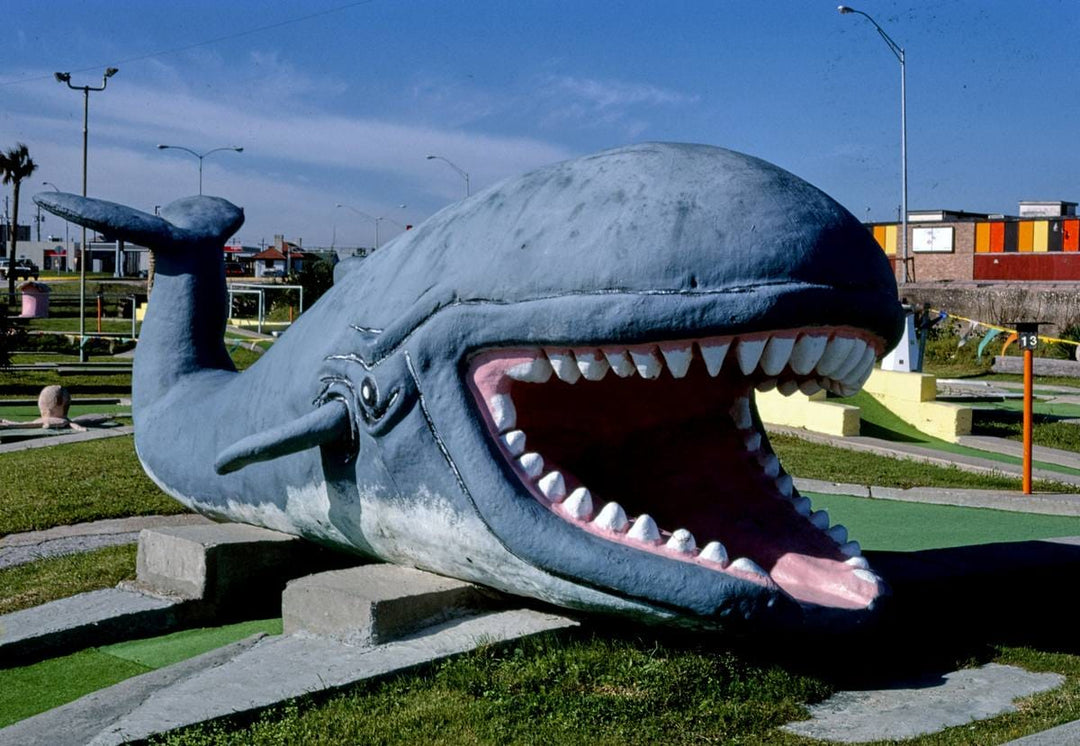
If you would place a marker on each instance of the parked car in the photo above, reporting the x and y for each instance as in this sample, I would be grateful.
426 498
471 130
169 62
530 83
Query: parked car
24 269
234 269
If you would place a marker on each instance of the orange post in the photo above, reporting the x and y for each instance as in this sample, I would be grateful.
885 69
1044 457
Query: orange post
1028 364
99 314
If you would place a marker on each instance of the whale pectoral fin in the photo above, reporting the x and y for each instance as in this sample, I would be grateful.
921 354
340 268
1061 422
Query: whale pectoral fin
327 424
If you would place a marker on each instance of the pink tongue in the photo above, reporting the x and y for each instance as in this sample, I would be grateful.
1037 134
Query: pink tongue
822 581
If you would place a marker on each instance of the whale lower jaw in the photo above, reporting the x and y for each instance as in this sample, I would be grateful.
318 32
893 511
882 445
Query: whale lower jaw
656 447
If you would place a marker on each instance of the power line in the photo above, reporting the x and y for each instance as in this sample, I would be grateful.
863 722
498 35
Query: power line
195 45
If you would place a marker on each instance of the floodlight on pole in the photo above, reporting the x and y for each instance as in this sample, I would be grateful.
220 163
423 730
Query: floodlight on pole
461 172
200 156
66 78
897 50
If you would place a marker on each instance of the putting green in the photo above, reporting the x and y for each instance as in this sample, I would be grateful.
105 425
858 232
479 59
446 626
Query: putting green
905 526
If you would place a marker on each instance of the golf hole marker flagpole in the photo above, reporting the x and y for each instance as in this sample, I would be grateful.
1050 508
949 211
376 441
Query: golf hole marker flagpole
1027 333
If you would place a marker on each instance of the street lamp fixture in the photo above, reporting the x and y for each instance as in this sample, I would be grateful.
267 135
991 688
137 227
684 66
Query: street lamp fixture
200 156
66 78
464 174
375 219
898 51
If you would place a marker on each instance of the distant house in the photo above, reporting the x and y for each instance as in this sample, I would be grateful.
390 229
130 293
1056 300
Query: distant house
273 260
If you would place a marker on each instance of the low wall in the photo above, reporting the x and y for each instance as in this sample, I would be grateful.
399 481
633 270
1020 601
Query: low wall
1003 303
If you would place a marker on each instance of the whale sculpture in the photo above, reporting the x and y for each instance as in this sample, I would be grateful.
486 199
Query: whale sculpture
547 388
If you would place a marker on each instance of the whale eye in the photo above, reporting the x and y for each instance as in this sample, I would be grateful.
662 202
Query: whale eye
369 393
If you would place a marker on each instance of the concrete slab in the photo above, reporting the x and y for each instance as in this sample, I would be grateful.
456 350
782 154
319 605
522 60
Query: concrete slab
376 603
921 707
268 671
230 566
95 618
1062 734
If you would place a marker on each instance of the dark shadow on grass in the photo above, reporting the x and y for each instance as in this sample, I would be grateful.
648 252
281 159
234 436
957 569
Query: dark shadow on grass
877 431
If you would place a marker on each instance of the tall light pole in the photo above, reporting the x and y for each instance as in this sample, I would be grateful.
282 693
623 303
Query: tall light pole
200 156
897 50
374 219
464 174
67 246
66 78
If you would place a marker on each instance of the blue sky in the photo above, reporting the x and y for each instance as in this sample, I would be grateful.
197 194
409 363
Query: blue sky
338 102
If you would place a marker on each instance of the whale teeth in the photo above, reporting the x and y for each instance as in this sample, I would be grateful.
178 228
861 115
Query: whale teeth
850 549
807 352
578 504
647 363
866 575
809 387
820 519
620 362
644 529
775 356
858 562
748 352
677 357
770 465
838 533
835 355
612 517
537 370
681 541
784 485
767 385
503 413
514 440
532 464
553 486
802 506
748 566
565 365
592 364
787 388
858 349
713 353
714 551
740 413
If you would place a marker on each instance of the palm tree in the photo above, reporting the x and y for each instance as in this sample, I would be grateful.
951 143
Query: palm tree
15 165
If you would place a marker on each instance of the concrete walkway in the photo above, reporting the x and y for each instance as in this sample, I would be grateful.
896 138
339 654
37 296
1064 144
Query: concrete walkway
18 549
68 437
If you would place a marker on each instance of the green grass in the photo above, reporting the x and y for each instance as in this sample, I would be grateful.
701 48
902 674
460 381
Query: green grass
28 690
27 384
71 324
906 526
549 690
31 412
35 583
60 485
810 460
1045 431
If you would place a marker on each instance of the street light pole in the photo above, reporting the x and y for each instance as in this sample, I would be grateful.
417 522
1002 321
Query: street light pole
897 50
200 156
374 219
66 78
461 172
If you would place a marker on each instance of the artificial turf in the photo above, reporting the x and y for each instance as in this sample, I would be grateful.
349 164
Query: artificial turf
895 525
28 690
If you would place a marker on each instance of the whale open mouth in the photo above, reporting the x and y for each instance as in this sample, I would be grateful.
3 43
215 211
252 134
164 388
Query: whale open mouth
655 447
